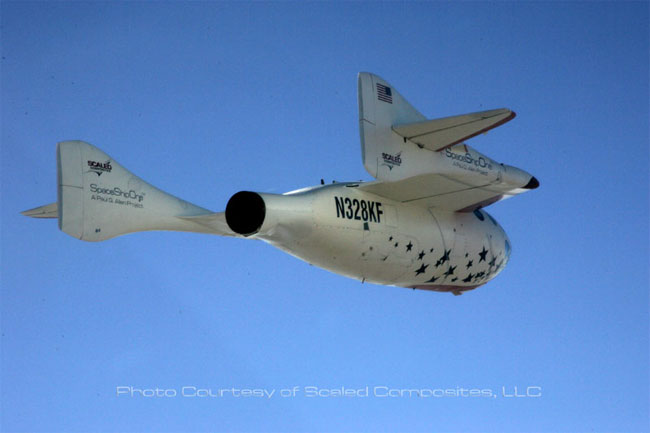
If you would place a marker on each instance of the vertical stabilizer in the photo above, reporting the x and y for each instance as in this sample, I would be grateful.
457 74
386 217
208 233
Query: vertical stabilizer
381 107
99 199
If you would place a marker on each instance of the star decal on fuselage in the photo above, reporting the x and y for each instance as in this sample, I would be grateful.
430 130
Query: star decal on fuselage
483 253
421 269
450 271
444 258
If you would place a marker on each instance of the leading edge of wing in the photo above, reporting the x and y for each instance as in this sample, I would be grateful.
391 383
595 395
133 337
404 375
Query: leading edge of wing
446 192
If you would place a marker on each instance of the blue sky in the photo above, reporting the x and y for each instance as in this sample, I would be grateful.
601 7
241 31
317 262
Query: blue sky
206 99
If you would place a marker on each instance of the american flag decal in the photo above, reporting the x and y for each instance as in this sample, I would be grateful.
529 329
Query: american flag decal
384 93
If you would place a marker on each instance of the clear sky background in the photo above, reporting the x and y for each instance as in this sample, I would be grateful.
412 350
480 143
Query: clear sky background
206 99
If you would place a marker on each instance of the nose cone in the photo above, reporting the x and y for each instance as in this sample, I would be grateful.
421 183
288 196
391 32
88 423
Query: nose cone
532 183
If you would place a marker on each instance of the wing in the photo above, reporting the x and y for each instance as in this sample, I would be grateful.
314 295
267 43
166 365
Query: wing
402 150
450 192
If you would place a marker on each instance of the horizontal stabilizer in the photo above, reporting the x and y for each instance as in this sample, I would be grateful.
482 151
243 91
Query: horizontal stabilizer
48 211
437 134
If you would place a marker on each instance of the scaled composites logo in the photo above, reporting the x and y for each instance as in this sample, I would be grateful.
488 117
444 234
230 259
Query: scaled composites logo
100 167
391 161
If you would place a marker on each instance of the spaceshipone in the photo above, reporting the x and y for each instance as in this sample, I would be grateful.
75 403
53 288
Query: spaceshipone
420 224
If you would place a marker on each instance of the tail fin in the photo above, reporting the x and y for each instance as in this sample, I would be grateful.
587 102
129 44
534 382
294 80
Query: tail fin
381 107
387 122
99 199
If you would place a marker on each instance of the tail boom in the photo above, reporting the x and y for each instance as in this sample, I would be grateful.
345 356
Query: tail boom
98 199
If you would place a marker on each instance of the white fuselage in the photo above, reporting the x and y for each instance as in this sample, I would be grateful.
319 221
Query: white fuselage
363 236
419 224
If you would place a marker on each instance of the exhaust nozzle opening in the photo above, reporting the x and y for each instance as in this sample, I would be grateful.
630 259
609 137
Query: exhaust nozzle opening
245 213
